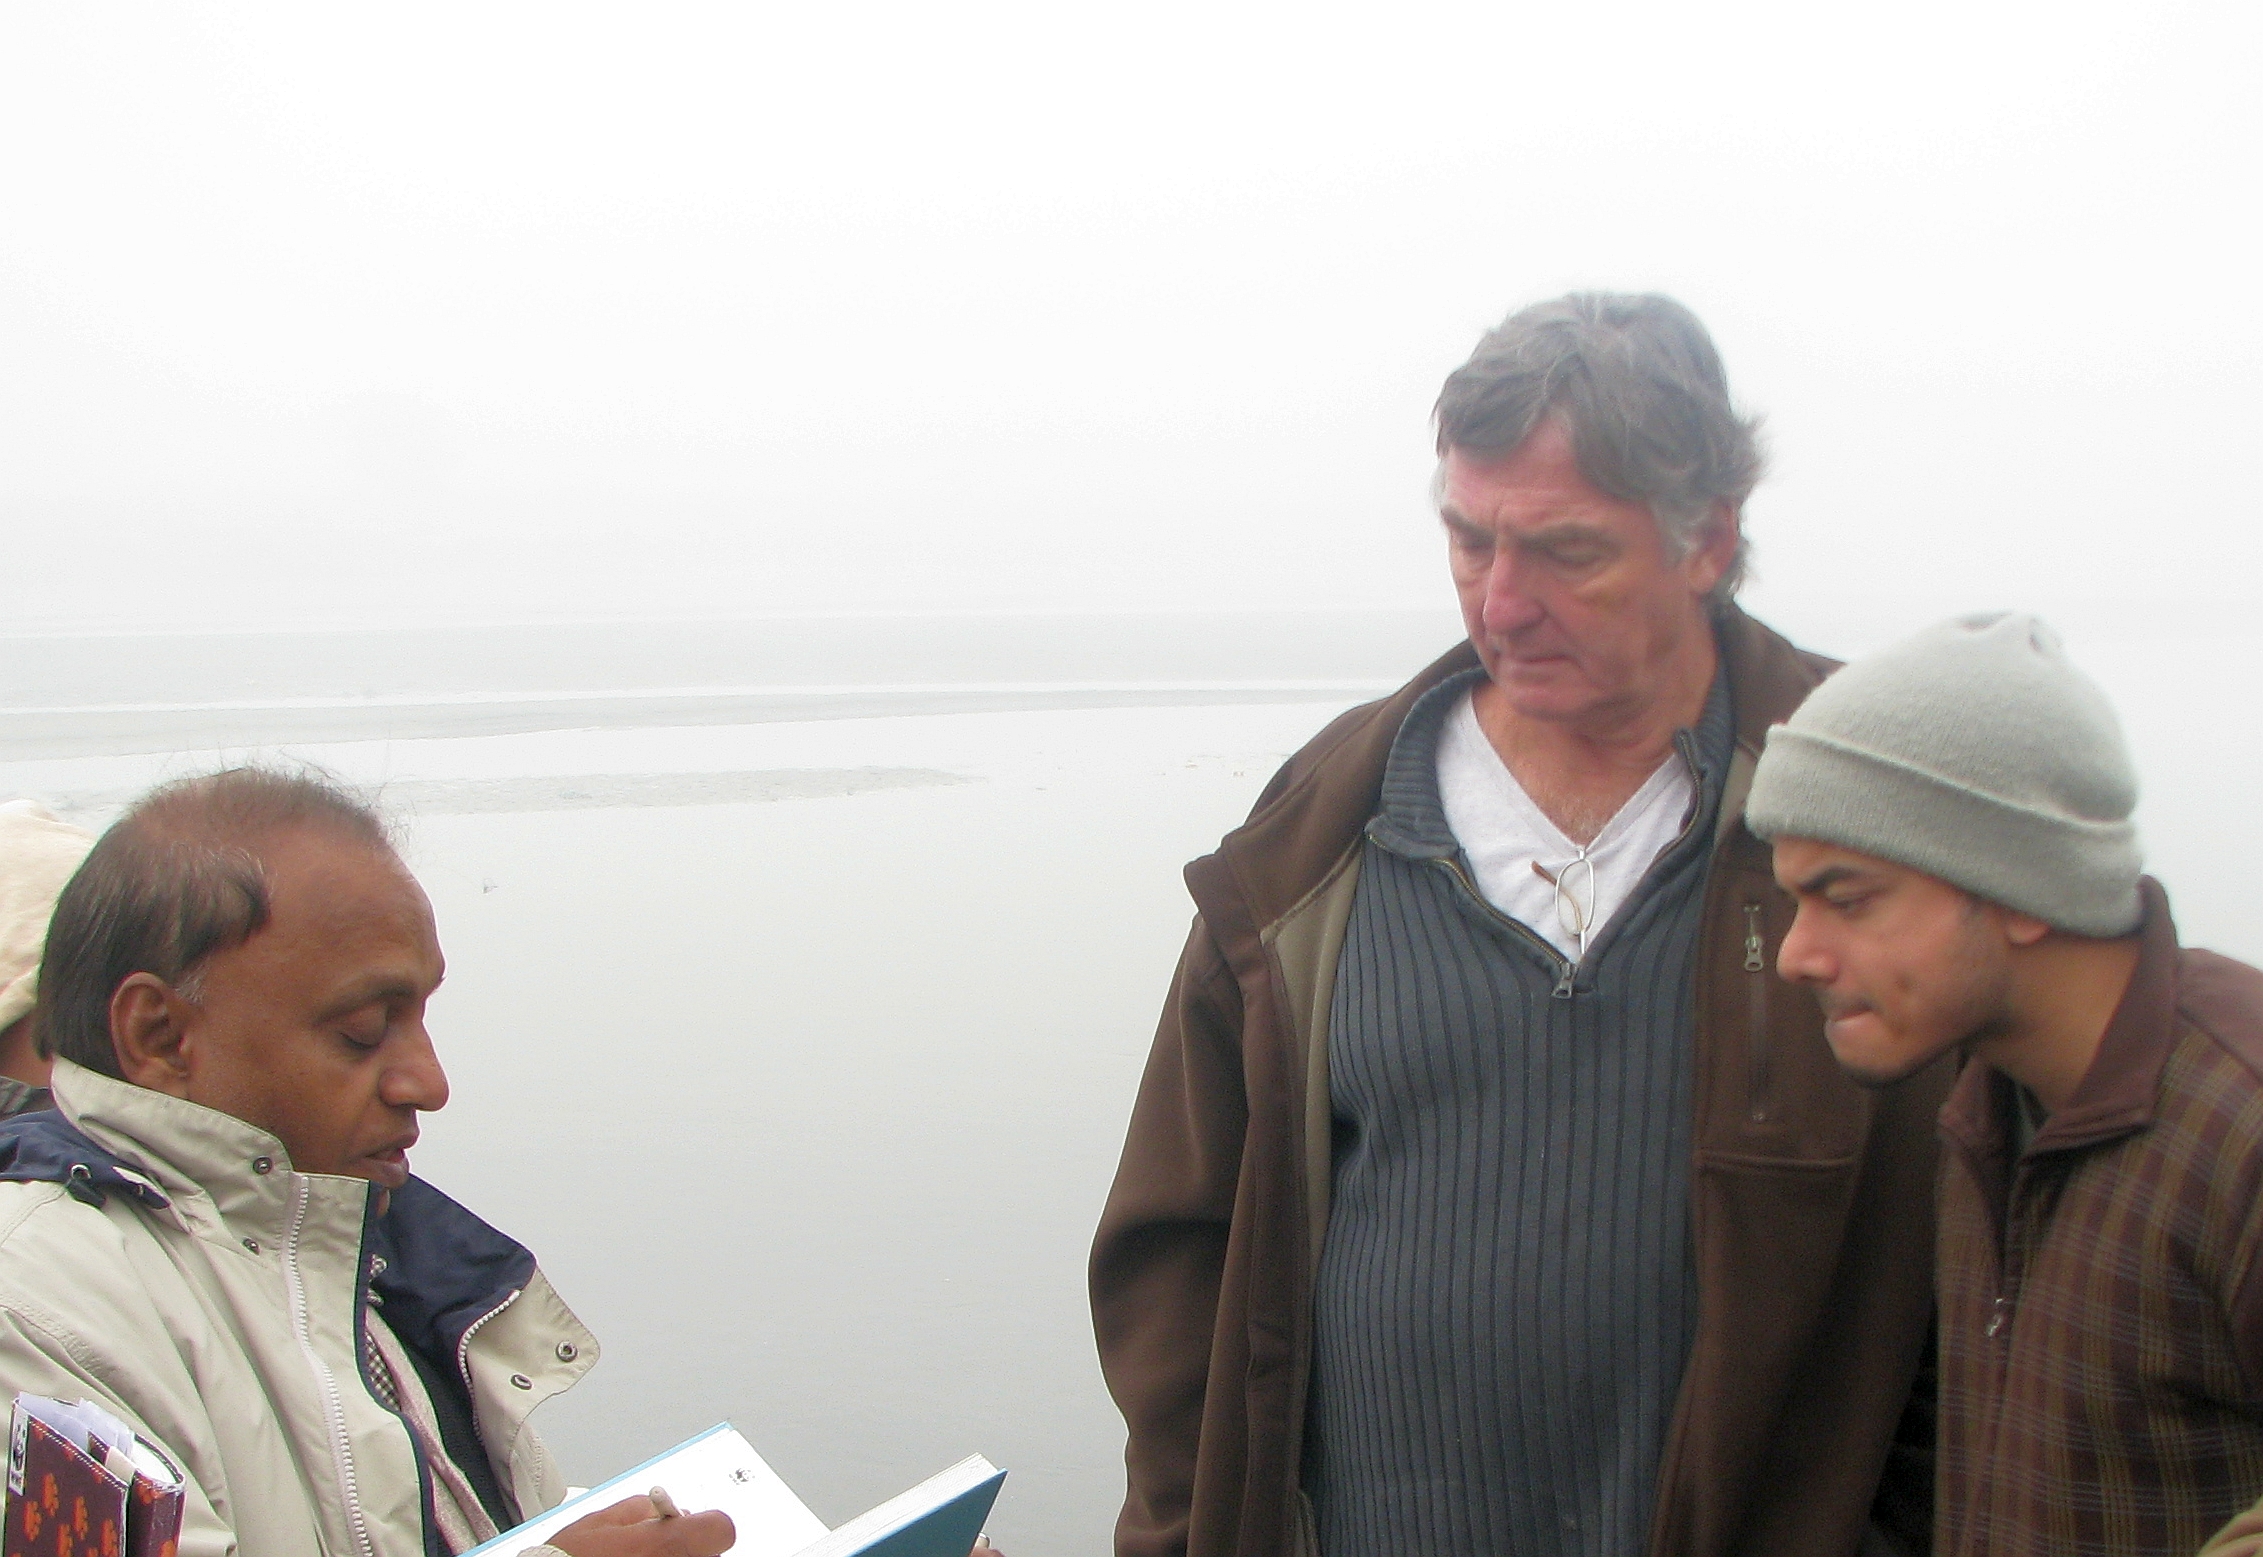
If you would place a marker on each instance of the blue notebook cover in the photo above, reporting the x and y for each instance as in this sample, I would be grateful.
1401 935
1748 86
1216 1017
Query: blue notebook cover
915 1524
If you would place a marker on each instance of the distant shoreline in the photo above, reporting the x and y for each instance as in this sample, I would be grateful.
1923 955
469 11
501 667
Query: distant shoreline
123 729
130 695
809 660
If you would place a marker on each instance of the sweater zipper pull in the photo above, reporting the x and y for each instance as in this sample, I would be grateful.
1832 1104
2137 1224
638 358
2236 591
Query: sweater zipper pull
1754 961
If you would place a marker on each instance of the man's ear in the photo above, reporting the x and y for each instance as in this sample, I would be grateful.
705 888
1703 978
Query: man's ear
148 1034
2023 929
1716 547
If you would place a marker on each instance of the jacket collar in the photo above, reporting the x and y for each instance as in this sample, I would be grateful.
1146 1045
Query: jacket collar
2119 1092
1768 677
192 1152
42 1147
437 1268
1318 805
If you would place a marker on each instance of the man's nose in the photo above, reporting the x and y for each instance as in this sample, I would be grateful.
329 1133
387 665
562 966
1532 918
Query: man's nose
1801 957
1509 602
415 1078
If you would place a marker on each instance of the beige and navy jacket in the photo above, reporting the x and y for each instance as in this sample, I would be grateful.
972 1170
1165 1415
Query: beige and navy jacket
165 1260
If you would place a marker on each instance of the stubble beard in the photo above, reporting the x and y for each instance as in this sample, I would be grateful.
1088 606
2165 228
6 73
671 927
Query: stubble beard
1971 1004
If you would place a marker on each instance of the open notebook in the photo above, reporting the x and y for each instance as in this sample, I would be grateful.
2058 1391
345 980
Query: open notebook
719 1469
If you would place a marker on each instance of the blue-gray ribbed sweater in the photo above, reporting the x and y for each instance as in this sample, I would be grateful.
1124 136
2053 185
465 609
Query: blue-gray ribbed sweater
1506 1297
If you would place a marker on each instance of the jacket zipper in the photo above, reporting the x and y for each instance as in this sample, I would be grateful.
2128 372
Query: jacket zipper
463 1346
1756 1003
2010 1259
370 1316
333 1404
1997 1333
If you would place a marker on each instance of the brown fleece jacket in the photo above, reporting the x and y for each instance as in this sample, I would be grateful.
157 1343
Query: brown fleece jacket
2101 1306
1811 1205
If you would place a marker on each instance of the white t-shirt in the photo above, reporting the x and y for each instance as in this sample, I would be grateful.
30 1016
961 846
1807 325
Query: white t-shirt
1505 835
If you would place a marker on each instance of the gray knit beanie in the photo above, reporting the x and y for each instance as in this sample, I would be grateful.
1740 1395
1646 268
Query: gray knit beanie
1974 752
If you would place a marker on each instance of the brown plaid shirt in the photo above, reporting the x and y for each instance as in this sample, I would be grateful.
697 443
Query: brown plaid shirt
2101 1314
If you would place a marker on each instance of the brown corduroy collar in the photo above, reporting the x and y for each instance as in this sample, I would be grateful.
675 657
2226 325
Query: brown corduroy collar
2117 1094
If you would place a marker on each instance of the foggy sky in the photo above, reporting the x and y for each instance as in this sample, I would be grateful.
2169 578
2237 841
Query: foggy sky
315 316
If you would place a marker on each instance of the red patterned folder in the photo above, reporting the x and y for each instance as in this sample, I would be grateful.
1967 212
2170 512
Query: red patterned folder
153 1517
81 1485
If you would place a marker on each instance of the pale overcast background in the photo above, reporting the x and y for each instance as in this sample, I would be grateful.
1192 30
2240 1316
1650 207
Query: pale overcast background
324 315
317 316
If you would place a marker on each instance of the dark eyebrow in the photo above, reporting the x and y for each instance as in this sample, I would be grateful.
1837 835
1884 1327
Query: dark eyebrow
1825 879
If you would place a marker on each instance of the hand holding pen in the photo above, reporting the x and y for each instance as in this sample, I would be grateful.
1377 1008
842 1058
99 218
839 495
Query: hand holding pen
647 1525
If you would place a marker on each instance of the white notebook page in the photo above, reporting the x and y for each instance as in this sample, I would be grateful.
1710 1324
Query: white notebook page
718 1469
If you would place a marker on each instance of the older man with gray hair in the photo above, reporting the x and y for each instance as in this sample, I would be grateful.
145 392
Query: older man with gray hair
1484 1194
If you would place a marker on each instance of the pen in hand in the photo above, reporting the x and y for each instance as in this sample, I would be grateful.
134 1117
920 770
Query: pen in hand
664 1504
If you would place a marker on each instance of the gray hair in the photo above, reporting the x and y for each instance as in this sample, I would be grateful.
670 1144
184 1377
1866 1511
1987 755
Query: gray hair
174 880
1637 383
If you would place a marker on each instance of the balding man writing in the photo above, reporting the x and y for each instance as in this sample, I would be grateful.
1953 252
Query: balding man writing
215 1233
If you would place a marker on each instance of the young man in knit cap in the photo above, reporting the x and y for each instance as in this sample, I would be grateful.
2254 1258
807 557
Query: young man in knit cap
1953 817
38 852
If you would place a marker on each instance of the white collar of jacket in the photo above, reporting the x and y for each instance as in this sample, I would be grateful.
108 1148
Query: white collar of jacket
461 1294
223 1176
439 1269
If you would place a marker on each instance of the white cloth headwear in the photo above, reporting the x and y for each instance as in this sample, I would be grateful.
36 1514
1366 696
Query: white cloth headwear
38 853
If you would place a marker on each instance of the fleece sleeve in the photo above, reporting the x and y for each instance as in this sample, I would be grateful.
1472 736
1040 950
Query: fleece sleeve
1161 1251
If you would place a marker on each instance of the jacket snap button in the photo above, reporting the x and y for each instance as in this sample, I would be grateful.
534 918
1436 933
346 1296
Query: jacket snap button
263 1165
568 1351
521 1381
252 1244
